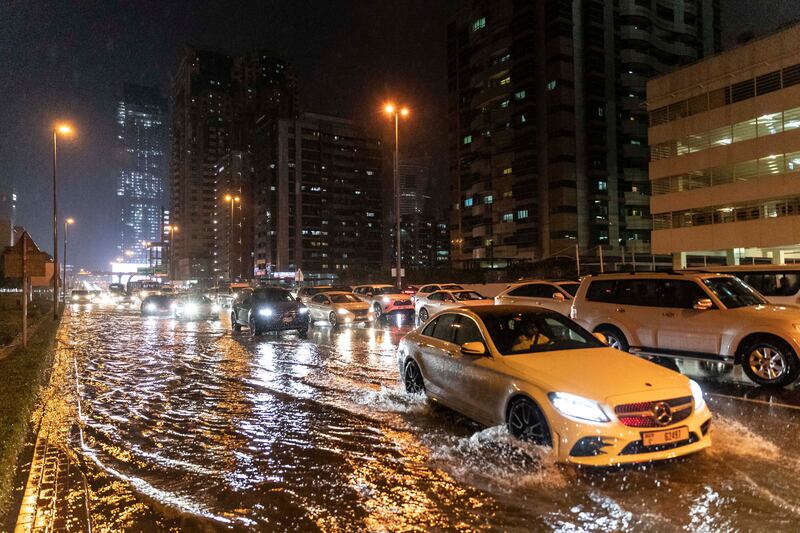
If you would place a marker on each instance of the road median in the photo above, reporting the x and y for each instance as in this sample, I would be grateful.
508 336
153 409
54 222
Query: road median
23 372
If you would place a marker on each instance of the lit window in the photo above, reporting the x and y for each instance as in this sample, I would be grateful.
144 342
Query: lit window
479 24
551 85
508 217
467 139
370 215
507 171
508 194
505 103
505 58
600 111
519 95
488 199
602 185
468 202
522 213
506 80
522 119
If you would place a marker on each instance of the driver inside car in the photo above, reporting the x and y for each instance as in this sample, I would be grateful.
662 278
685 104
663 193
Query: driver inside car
530 336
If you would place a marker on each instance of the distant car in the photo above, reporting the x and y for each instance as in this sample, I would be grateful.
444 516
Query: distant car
425 290
384 299
196 307
434 302
553 383
269 309
411 290
338 308
303 294
80 297
158 305
554 295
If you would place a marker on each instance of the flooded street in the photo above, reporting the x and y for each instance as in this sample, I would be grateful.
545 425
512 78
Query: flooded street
186 425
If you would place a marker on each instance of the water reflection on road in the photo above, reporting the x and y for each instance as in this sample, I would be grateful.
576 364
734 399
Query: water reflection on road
281 432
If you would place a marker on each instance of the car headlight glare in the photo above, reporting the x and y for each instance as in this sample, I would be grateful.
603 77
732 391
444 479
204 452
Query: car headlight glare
577 407
697 395
150 307
190 309
265 311
302 310
386 299
215 308
342 311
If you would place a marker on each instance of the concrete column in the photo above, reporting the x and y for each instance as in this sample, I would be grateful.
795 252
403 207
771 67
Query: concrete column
778 257
730 258
678 260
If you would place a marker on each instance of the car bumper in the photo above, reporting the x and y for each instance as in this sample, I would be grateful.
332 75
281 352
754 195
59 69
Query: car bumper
625 444
278 324
353 318
394 308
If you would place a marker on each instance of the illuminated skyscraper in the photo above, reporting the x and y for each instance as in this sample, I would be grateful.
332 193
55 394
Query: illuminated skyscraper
141 141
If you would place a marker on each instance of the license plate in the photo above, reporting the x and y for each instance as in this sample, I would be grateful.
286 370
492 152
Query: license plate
654 438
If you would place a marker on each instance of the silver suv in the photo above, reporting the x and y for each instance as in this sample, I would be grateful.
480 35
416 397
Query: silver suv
714 317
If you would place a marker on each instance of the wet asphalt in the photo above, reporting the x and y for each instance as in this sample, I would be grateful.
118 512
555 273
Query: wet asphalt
185 425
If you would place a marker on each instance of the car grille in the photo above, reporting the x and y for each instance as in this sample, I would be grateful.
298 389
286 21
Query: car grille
360 313
651 414
402 302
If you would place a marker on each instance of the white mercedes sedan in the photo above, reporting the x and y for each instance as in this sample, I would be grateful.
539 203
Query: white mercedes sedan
554 383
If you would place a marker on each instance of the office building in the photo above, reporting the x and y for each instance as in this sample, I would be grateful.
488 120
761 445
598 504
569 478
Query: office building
233 219
217 99
318 197
415 181
548 129
141 143
425 243
725 154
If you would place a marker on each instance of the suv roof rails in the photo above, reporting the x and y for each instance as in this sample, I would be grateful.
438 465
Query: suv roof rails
616 272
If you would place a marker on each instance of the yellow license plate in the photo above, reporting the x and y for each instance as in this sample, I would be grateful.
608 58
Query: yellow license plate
654 438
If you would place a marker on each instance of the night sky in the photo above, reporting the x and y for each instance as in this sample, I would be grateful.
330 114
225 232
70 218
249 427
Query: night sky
68 60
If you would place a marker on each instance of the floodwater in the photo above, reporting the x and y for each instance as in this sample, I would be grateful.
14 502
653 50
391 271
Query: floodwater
186 425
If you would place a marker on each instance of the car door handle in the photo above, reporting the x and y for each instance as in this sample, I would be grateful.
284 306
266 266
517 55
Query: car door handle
620 309
668 314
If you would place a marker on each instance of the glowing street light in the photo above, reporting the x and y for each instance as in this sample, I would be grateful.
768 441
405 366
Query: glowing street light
67 131
392 109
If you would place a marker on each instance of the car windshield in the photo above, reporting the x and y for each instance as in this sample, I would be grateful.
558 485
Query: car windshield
463 296
384 290
531 332
343 298
159 299
733 292
197 299
80 293
452 287
570 287
272 296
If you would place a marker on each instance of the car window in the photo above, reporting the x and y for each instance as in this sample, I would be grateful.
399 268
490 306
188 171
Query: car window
344 298
429 288
467 331
571 288
453 287
679 293
532 332
463 296
444 327
385 290
436 297
318 299
534 290
773 283
601 291
428 331
733 292
273 296
643 292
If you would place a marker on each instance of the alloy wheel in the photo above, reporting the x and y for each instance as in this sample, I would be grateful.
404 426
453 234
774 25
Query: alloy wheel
413 379
526 422
253 329
333 319
767 362
423 314
378 311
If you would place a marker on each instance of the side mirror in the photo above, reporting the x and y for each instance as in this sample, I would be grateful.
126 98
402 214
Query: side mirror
369 295
473 348
702 304
599 336
557 296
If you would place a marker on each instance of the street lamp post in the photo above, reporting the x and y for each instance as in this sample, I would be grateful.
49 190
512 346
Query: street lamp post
391 109
67 222
63 129
232 200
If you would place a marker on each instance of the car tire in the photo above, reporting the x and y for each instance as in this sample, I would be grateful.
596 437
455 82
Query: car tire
412 378
254 331
235 326
423 315
526 421
378 311
303 332
770 362
715 369
333 319
614 337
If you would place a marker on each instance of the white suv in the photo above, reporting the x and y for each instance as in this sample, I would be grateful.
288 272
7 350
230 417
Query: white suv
714 317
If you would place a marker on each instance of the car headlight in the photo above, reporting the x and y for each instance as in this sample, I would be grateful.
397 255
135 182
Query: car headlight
386 299
190 309
302 310
577 407
697 395
150 307
342 311
265 311
215 308
75 299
